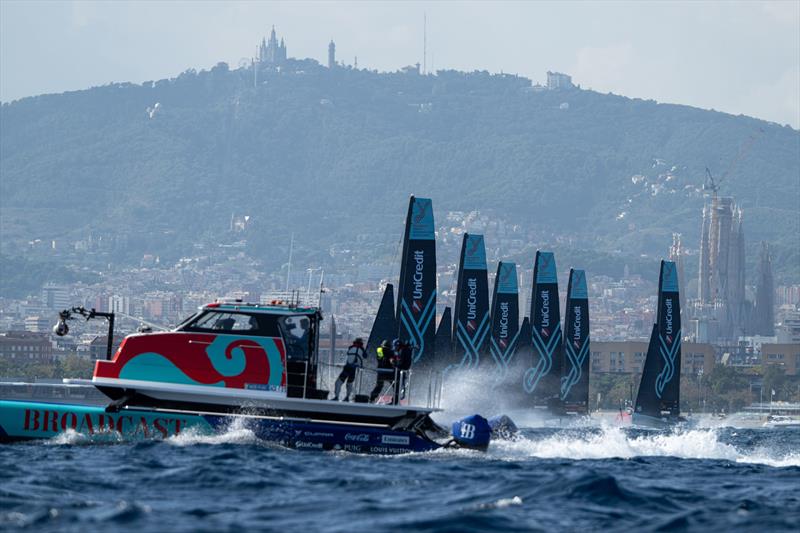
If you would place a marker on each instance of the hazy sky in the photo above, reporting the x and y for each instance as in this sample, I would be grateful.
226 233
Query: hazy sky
738 57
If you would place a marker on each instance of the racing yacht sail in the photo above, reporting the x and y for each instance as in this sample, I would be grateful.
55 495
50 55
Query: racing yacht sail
658 399
384 326
542 380
444 339
575 381
416 303
471 326
505 320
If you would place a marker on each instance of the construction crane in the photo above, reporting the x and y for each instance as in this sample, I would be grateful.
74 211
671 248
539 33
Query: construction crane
712 184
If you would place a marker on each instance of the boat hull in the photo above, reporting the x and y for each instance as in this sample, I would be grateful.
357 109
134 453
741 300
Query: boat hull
26 420
652 422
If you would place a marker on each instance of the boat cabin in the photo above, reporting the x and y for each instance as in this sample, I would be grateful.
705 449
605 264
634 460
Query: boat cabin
232 344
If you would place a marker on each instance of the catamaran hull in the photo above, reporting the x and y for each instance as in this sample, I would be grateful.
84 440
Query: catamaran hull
24 420
652 422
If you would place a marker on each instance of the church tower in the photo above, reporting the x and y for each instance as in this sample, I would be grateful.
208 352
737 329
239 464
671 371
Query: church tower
272 52
332 55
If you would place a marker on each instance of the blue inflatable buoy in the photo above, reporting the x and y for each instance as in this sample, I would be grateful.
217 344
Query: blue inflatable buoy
503 427
472 432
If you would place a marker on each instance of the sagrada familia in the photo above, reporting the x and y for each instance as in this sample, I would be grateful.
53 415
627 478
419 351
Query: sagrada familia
721 312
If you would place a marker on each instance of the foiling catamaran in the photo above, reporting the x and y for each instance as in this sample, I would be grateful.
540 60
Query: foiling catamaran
481 341
658 400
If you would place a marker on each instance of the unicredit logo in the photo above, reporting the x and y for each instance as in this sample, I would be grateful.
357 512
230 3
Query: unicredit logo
472 285
576 328
419 259
668 305
545 309
503 320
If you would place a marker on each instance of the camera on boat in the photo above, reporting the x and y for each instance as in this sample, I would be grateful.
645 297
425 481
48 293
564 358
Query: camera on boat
61 328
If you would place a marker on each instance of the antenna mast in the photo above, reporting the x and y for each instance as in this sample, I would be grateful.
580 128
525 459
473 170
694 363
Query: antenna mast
424 43
289 264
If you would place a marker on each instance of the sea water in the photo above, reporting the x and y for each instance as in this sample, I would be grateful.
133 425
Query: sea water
581 478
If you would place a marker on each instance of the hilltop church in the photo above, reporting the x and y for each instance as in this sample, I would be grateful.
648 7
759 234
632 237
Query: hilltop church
271 52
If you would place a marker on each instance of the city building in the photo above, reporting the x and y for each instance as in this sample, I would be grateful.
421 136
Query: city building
26 346
558 80
56 297
332 54
789 328
119 304
785 355
763 321
627 357
272 52
39 324
98 348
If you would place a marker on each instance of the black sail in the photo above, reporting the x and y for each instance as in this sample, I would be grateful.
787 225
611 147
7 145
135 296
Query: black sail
471 325
416 304
444 339
542 381
669 338
659 390
647 403
384 327
505 322
575 380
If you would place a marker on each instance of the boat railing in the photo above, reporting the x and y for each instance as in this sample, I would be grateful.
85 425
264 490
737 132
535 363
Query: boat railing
293 298
401 387
435 380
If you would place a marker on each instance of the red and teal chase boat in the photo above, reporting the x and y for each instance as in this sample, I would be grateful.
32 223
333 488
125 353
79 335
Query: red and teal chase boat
233 362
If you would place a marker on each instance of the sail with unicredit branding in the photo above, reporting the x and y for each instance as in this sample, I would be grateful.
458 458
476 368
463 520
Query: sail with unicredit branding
575 380
416 303
542 381
658 399
472 324
505 321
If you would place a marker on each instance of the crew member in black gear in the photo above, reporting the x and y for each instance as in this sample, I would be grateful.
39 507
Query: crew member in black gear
385 370
355 360
403 356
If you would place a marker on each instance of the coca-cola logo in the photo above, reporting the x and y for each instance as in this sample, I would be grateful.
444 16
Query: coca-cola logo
357 437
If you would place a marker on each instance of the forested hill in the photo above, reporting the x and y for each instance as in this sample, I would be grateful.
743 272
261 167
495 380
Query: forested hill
330 154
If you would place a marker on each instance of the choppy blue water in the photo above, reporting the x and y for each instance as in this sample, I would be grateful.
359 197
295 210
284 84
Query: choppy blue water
550 479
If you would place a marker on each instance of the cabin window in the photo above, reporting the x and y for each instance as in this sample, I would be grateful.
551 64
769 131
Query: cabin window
296 331
234 323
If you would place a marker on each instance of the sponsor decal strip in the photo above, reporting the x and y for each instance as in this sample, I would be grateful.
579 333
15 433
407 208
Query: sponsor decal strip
416 328
576 362
503 357
668 355
470 344
545 363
